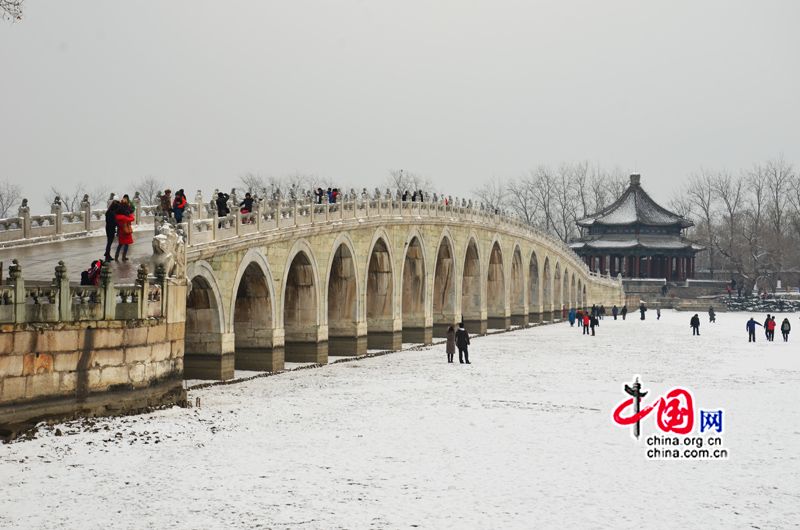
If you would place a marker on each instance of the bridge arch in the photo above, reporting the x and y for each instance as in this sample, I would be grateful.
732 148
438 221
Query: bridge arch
342 298
517 289
444 285
414 290
547 291
305 337
252 314
534 288
208 352
379 294
496 288
472 287
557 291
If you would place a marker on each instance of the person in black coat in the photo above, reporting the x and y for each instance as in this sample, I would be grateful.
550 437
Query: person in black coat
593 323
624 311
111 227
462 342
222 207
695 324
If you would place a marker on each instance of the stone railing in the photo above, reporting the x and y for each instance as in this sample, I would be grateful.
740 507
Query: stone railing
270 216
62 301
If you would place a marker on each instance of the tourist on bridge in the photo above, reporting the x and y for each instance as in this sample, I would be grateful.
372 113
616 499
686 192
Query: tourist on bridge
450 347
319 194
246 206
166 204
624 311
751 329
712 315
786 327
178 205
125 219
695 324
593 323
111 227
222 207
614 311
642 310
587 320
571 317
462 341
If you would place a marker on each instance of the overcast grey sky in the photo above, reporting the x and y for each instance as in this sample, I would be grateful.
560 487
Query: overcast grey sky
201 92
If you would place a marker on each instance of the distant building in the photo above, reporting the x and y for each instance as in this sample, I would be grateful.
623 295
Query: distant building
637 238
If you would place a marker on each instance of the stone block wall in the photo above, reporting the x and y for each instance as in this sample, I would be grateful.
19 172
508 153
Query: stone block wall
51 369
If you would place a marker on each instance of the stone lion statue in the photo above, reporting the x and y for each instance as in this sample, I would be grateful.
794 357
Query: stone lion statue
169 250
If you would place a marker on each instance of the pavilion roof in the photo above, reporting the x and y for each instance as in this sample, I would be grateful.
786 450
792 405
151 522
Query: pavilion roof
635 206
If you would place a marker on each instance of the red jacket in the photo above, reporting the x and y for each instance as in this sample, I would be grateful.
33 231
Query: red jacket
123 219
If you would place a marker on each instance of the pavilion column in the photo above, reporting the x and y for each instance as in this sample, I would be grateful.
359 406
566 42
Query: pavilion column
669 268
649 266
636 266
692 267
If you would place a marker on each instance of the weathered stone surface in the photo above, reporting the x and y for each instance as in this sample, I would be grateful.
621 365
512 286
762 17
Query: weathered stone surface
13 389
156 334
108 357
136 336
6 342
67 361
108 338
45 384
10 365
138 354
37 363
114 375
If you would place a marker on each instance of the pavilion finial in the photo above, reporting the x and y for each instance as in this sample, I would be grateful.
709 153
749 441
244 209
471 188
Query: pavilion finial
636 179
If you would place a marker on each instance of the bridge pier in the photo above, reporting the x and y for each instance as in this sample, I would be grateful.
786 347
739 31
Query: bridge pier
418 335
520 320
479 327
499 322
385 340
209 356
441 324
260 359
535 318
306 352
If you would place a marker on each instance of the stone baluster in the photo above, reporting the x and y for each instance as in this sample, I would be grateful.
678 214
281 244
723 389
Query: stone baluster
15 277
294 212
109 296
201 205
161 280
24 213
141 287
86 208
258 204
137 205
57 209
237 220
61 282
188 218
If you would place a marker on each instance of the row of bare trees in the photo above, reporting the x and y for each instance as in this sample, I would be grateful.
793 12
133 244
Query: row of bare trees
554 198
748 220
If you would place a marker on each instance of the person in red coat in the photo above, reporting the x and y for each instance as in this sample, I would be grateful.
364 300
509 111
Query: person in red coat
125 221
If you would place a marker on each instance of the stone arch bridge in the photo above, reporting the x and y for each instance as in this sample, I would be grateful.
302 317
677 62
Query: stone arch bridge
300 282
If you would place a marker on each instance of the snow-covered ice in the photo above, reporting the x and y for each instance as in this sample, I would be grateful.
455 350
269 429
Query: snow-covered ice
521 438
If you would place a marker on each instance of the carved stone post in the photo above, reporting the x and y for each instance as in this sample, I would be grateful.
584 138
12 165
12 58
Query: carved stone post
201 206
188 218
57 209
24 213
141 287
64 295
161 279
86 208
109 296
15 277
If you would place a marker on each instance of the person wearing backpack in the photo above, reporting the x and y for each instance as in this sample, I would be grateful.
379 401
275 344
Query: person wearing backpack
786 327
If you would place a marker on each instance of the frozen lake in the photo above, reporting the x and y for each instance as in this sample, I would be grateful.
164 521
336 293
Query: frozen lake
521 438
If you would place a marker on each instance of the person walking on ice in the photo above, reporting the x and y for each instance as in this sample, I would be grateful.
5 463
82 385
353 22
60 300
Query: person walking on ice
786 327
624 311
586 321
712 315
642 309
695 324
751 329
450 347
462 341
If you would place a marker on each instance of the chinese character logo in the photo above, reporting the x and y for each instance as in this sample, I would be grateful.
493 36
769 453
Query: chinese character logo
675 412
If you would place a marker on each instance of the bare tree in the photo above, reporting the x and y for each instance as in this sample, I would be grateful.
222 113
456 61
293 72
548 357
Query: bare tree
149 188
521 199
71 198
402 181
493 194
11 9
700 192
731 193
10 194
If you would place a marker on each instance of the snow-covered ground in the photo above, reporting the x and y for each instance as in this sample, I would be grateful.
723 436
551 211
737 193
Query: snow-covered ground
521 438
